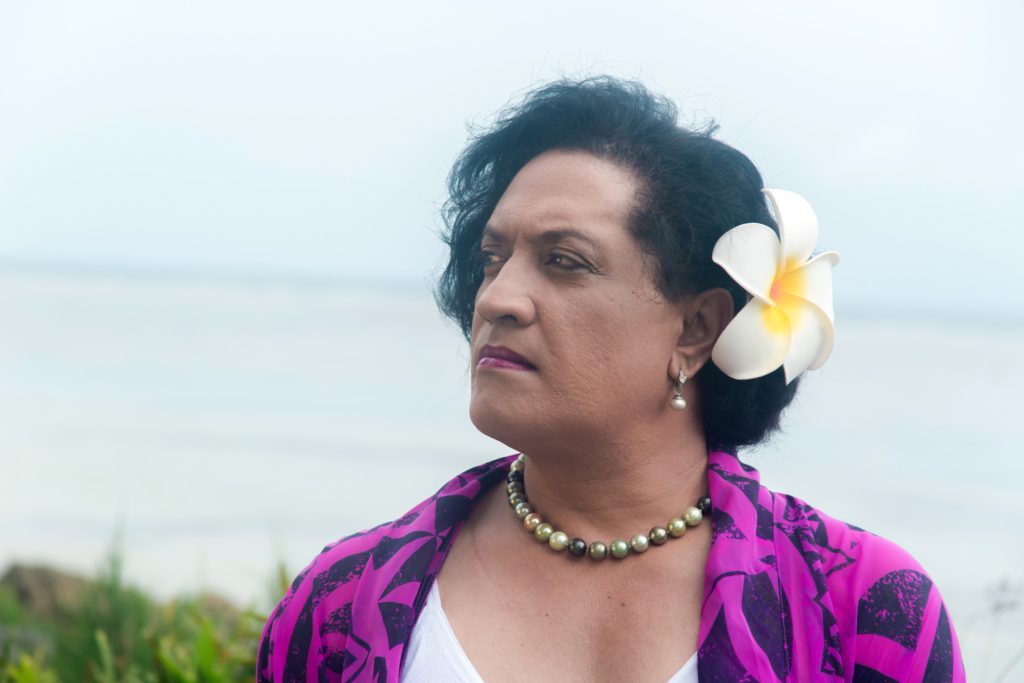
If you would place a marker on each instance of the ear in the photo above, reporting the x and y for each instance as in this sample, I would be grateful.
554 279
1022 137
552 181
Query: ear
704 317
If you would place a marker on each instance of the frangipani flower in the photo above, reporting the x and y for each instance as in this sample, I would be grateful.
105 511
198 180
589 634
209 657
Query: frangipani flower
789 319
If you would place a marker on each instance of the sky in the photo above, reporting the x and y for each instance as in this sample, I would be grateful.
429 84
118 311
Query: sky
312 139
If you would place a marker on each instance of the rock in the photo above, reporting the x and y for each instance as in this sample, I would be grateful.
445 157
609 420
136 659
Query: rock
43 592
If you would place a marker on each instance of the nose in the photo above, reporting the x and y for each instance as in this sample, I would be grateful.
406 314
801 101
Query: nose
506 297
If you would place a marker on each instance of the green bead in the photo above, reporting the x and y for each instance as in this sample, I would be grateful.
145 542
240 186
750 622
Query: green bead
619 548
516 498
514 487
518 465
639 543
559 540
658 535
523 509
543 532
676 527
597 550
693 516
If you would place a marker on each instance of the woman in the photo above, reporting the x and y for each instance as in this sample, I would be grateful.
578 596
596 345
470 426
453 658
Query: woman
632 324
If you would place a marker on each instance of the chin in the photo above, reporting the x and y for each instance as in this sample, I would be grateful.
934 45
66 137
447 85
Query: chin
503 421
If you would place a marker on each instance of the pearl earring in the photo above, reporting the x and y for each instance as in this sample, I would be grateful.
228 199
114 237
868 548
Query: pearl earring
678 402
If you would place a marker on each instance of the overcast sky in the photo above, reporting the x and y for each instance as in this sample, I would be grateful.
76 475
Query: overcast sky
314 137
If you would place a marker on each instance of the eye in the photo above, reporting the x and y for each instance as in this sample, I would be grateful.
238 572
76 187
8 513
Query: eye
566 262
485 257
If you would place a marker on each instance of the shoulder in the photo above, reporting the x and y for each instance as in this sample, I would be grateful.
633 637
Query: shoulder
888 612
854 560
843 548
317 604
310 625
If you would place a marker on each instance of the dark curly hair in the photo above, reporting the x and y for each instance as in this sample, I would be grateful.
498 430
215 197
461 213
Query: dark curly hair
693 189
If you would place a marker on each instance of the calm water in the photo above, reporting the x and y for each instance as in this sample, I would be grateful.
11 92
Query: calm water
223 426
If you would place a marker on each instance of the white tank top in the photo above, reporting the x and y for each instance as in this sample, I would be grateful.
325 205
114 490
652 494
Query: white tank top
436 655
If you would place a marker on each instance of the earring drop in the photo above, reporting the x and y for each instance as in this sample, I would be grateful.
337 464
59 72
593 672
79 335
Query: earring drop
678 402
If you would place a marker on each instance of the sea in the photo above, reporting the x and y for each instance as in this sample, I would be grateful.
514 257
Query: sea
213 426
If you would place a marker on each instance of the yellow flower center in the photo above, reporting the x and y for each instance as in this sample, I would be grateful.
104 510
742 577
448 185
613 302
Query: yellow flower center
791 279
789 284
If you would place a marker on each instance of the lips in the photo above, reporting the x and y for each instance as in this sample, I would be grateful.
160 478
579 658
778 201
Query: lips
504 358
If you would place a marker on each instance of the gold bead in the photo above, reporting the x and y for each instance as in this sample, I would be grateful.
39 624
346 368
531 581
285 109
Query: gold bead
518 465
531 521
619 548
559 540
543 532
658 535
523 509
639 543
692 516
597 550
676 527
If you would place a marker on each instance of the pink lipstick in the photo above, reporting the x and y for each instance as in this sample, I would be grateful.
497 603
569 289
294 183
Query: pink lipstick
500 357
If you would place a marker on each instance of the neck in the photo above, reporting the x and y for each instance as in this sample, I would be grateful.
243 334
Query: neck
614 488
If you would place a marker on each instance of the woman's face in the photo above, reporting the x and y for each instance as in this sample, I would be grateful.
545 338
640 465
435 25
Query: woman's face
567 288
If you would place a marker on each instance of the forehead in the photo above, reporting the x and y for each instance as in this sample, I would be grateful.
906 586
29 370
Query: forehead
562 188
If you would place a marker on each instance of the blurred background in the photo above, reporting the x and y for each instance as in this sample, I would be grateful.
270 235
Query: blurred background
219 233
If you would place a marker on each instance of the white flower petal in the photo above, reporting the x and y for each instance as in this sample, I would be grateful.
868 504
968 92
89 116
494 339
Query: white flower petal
750 254
798 226
811 344
816 279
754 343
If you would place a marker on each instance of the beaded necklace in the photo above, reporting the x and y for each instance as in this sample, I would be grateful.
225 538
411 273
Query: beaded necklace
577 547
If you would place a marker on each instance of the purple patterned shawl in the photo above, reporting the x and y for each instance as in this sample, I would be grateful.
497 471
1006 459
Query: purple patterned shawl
790 594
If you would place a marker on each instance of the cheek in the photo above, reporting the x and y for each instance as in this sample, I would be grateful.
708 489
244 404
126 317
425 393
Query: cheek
624 342
474 332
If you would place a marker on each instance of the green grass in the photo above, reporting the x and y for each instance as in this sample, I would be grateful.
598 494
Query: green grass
117 634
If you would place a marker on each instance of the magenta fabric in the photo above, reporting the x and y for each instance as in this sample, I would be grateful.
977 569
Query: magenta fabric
790 594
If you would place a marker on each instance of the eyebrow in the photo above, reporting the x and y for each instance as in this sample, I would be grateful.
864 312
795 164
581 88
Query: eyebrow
546 237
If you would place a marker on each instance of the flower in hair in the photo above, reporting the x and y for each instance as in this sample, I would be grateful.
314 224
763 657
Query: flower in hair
789 320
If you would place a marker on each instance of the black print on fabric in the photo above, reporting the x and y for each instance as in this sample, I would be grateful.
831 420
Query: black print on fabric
746 485
266 649
298 579
449 510
341 572
396 621
338 621
751 490
387 547
940 660
724 526
380 670
765 523
865 674
335 661
796 529
338 573
841 558
724 575
407 519
762 610
482 469
894 606
716 660
356 657
415 566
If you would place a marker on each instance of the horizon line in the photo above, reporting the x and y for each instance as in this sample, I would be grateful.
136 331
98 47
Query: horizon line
321 281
